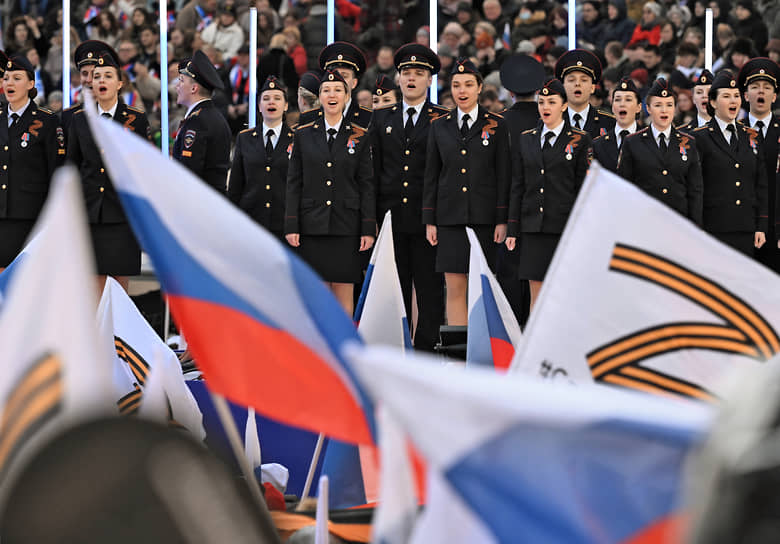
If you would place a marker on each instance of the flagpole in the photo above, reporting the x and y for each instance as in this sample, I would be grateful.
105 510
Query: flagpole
252 120
315 459
433 38
572 24
708 39
236 444
164 81
331 35
65 54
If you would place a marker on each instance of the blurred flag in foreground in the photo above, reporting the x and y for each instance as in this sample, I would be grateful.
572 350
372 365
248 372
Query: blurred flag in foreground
54 374
535 461
638 296
493 331
264 329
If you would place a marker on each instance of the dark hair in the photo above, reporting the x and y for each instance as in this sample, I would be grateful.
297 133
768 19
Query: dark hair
653 48
103 33
688 48
147 26
10 42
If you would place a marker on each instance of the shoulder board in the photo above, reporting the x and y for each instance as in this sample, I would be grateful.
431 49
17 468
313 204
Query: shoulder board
137 110
73 107
247 130
496 115
307 125
386 107
439 108
309 111
697 129
194 113
354 124
529 131
365 109
45 110
78 112
605 114
577 131
601 137
641 131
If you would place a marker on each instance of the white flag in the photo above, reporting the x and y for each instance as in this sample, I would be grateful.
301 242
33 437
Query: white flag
640 297
54 373
380 311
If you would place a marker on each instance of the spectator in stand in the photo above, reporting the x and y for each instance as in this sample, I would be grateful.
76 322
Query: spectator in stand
23 33
423 36
668 44
651 59
55 102
617 27
720 12
741 52
590 30
724 40
313 26
748 24
687 59
558 22
294 49
773 49
224 33
275 61
239 90
495 16
150 41
105 29
182 43
613 54
649 27
128 54
384 66
489 58
697 17
265 27
138 20
456 39
680 16
466 17
694 35
196 15
531 16
43 81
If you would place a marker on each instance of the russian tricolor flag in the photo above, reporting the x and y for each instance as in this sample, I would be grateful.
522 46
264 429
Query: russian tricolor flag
264 329
493 331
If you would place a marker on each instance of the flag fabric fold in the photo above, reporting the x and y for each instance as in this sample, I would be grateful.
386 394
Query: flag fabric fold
264 329
538 461
493 330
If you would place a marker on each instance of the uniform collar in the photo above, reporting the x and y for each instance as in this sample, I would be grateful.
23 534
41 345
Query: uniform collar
667 133
766 120
473 115
723 124
701 121
555 130
189 110
111 112
21 111
584 114
337 126
631 129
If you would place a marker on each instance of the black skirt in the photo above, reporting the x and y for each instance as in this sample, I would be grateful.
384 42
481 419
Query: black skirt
117 252
741 241
536 252
13 234
453 249
336 259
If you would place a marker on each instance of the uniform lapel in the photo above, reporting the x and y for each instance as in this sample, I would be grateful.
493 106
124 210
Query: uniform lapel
4 124
283 142
719 138
649 139
422 120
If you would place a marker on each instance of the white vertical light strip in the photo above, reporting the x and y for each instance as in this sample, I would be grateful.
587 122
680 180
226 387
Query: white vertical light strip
65 54
708 39
331 37
252 121
164 78
434 39
572 24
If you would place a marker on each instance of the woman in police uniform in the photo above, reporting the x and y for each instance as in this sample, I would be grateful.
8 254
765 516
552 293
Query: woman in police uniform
32 146
331 202
117 252
258 177
662 160
549 164
467 177
735 184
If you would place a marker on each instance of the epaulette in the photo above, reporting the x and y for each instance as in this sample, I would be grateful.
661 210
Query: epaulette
73 107
606 113
385 107
439 108
309 110
365 109
299 127
529 131
697 129
601 137
137 110
247 130
45 110
578 131
194 114
78 112
496 115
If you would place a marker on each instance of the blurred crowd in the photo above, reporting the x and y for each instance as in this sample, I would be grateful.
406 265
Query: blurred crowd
639 39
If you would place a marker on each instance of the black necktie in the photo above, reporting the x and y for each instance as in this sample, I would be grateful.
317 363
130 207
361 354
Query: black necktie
577 119
464 128
269 146
623 135
548 136
759 126
106 115
409 126
733 142
662 142
15 119
331 137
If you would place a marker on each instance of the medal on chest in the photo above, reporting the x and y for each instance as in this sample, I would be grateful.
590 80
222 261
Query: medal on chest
25 139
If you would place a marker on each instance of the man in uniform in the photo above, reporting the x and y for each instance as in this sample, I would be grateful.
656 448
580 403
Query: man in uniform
626 104
86 58
399 135
701 97
580 71
350 62
757 81
523 76
203 139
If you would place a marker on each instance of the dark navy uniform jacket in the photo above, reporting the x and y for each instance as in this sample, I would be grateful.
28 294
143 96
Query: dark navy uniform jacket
467 179
546 184
399 165
258 183
597 123
331 191
30 151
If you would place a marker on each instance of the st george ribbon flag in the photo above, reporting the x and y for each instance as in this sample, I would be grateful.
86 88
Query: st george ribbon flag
637 296
493 331
540 462
264 329
54 374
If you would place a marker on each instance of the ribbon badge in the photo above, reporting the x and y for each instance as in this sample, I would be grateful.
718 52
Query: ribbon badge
684 147
572 145
488 131
752 134
354 138
25 139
